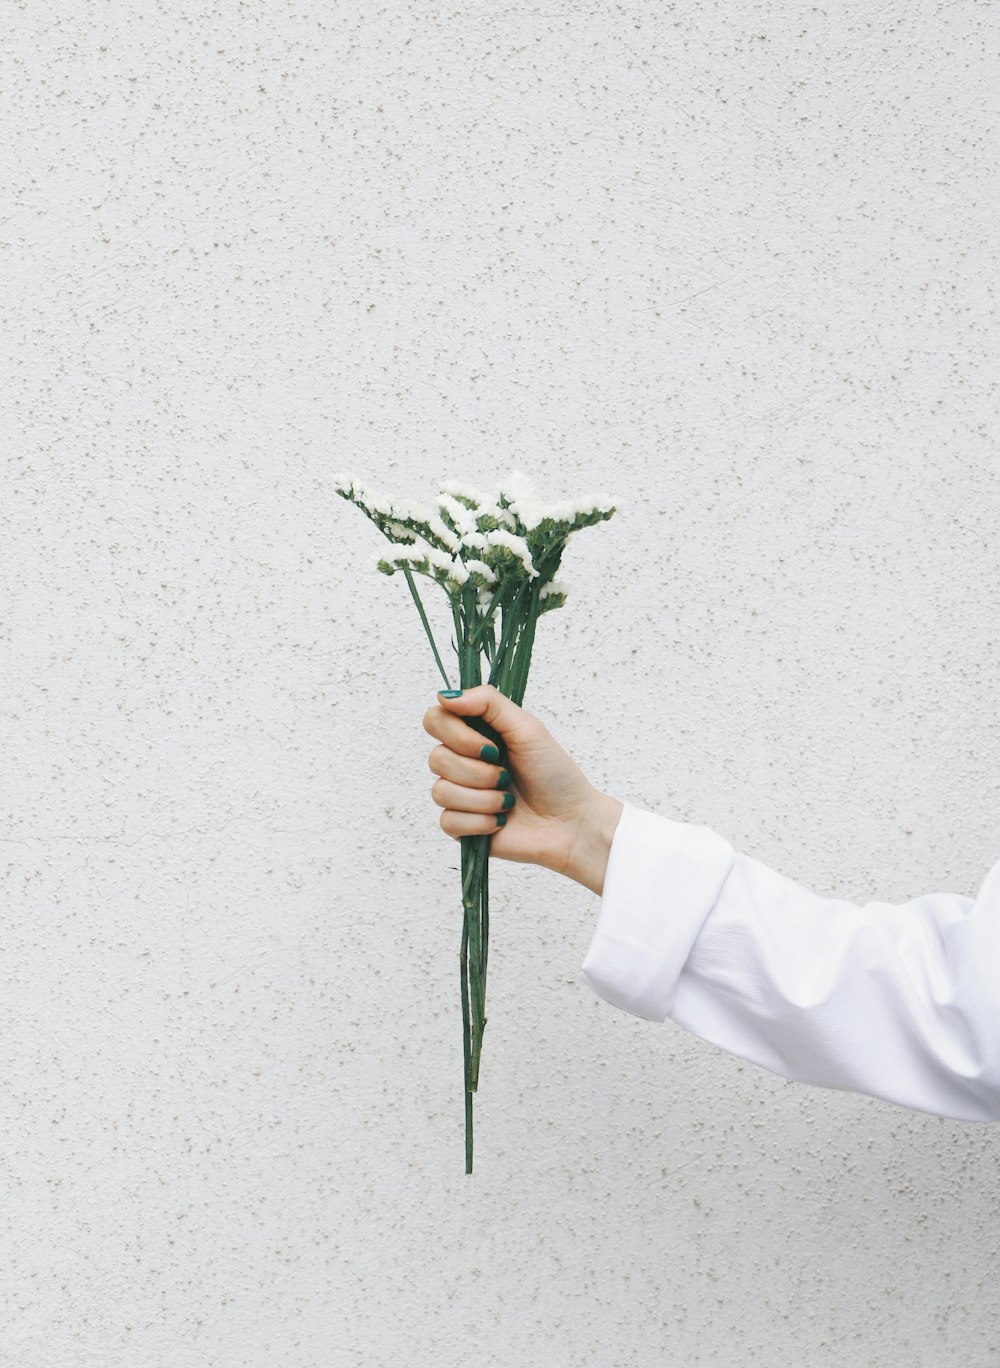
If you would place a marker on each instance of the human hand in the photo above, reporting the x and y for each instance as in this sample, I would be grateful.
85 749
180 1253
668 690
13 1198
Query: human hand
558 819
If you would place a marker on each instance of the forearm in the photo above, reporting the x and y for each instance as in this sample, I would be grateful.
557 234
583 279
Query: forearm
899 1001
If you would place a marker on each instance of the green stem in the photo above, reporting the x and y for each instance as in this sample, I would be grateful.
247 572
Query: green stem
510 667
487 615
471 881
475 852
459 636
485 928
510 623
524 647
474 859
466 1046
427 626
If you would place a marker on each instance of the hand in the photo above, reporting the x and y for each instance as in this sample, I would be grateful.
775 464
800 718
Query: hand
559 820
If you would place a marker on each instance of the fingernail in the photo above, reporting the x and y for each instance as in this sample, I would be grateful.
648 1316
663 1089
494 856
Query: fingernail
509 799
501 819
504 781
489 753
450 693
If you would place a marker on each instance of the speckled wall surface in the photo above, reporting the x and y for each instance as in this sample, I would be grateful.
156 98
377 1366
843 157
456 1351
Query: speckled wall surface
735 262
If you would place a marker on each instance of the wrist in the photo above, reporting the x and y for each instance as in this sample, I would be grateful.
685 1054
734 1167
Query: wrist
591 845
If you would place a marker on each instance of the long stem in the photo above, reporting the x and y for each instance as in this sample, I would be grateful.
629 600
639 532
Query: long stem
470 910
456 616
510 622
510 669
487 615
427 626
524 646
466 1045
475 852
485 926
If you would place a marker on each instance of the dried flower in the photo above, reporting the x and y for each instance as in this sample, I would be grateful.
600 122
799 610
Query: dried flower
496 556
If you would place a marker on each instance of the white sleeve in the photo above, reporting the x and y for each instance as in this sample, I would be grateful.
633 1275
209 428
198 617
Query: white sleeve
900 1001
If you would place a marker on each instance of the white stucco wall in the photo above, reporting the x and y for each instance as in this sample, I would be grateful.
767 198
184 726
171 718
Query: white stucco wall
734 261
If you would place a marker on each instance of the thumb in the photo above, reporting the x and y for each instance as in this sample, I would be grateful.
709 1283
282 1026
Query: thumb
490 713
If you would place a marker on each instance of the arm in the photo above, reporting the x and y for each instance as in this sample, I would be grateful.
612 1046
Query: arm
898 1002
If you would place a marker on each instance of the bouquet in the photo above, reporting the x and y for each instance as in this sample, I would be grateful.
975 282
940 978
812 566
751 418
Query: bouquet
496 557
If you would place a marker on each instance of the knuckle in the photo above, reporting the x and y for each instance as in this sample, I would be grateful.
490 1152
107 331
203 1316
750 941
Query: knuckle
531 727
434 759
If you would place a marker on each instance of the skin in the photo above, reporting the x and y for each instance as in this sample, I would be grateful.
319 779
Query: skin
559 821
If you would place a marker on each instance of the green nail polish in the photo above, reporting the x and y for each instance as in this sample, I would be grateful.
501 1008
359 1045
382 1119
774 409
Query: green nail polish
501 819
509 799
489 753
450 693
504 781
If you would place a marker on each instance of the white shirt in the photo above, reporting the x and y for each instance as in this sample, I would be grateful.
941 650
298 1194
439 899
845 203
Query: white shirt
900 1002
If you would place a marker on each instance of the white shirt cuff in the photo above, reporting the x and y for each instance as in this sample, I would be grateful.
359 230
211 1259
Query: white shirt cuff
662 880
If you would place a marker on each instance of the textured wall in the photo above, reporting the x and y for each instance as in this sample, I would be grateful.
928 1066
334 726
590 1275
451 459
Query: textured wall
734 261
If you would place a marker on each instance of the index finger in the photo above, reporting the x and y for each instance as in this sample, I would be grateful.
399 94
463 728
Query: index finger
457 735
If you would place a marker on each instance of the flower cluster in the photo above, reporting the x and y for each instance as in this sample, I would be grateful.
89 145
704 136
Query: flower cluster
487 540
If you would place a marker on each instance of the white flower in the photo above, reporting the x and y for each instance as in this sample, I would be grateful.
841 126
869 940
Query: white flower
500 539
445 533
552 596
428 559
458 490
478 567
476 505
463 518
402 533
503 515
570 509
516 545
397 510
520 493
400 519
